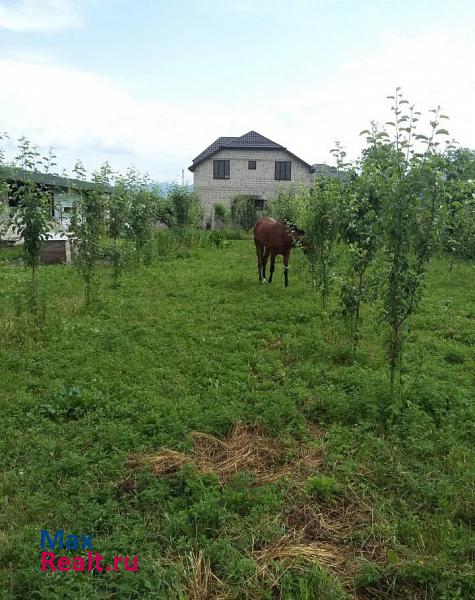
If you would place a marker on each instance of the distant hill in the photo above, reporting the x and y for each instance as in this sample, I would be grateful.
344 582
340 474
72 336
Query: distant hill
165 187
321 169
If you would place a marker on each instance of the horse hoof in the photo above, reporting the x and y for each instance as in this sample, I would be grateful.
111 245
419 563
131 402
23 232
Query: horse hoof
263 281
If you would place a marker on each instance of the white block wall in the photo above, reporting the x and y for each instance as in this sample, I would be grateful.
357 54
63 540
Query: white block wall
259 182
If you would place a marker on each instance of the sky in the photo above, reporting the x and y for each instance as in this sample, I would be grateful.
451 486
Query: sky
151 83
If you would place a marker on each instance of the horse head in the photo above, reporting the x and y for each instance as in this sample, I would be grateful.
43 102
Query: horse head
297 235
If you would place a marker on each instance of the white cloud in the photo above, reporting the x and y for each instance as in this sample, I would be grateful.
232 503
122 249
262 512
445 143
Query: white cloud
432 68
90 116
266 7
93 117
39 15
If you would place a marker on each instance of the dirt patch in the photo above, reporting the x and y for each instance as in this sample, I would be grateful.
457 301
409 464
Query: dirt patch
245 449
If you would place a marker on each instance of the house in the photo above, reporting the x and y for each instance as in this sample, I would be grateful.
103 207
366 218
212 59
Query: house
251 165
62 193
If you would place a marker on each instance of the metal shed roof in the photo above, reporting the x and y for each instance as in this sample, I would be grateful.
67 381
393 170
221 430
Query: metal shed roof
55 181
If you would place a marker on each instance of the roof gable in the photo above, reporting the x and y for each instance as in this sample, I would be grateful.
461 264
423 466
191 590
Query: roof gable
221 142
250 140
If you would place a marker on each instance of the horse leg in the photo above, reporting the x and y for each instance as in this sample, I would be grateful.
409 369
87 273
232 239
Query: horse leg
264 263
259 252
286 268
272 266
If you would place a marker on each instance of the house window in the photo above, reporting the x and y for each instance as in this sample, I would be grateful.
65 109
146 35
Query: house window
220 169
251 164
259 203
282 170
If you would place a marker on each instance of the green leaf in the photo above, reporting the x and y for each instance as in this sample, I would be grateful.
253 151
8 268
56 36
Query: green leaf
390 123
364 131
442 132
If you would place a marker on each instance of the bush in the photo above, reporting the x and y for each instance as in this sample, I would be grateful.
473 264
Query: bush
232 234
185 206
221 214
216 239
288 206
244 212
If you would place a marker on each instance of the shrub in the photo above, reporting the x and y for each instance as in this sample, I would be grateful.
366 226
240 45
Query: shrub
32 225
216 239
458 232
32 218
321 223
244 212
221 214
185 206
288 205
87 226
118 206
4 217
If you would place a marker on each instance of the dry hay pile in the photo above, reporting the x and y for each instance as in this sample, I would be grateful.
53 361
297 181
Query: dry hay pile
318 533
293 549
202 583
245 449
321 534
332 522
199 581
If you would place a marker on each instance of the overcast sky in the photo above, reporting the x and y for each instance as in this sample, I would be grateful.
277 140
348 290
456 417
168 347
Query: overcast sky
151 83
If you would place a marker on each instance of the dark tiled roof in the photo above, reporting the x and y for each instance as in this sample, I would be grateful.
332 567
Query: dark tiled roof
251 140
221 142
55 181
255 140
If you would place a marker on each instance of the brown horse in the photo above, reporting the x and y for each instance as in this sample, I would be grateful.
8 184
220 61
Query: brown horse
274 237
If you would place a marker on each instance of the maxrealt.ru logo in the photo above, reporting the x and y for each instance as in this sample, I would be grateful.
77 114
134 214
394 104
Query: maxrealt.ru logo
50 561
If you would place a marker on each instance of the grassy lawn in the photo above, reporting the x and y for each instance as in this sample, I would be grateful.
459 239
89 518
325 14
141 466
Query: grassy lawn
328 504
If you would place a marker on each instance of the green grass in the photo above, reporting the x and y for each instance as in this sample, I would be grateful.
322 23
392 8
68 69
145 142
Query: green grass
195 343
